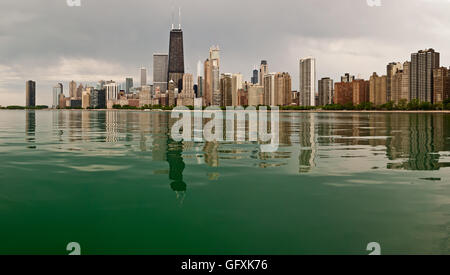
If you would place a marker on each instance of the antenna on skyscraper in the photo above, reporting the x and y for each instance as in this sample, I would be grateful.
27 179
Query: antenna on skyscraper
173 16
179 18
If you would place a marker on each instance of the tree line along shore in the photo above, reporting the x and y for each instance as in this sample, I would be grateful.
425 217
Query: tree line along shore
414 105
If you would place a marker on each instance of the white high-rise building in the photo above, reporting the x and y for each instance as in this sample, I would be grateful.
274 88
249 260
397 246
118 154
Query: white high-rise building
307 89
237 80
199 69
57 91
112 91
143 76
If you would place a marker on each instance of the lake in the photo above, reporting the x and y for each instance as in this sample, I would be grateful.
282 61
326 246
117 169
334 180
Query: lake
117 183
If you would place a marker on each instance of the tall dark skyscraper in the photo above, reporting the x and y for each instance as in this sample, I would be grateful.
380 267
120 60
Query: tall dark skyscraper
176 57
30 94
255 76
422 65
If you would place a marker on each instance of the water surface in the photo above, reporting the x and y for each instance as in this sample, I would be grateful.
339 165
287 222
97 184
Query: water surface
115 182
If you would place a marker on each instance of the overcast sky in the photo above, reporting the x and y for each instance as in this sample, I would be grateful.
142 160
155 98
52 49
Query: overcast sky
50 42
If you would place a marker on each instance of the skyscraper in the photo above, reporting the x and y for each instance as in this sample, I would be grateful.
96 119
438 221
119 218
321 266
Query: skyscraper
441 84
277 89
325 91
392 69
254 79
186 97
86 98
79 92
128 84
200 86
307 88
237 80
377 90
255 95
212 95
343 92
207 87
143 76
160 71
172 92
58 90
400 84
422 65
283 89
98 99
226 89
176 57
72 89
263 71
361 91
112 91
269 89
30 97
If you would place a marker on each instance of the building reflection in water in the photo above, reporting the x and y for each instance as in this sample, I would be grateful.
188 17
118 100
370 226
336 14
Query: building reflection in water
411 141
420 141
406 141
112 126
308 144
166 149
176 168
30 128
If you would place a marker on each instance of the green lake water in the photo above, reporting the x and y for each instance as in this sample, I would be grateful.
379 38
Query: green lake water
116 183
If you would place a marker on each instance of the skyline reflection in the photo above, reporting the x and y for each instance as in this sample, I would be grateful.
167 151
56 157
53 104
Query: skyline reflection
408 141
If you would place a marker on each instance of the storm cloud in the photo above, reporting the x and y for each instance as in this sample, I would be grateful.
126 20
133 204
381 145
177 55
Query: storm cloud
50 42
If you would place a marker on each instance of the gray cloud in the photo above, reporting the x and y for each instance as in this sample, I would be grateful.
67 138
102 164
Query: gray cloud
49 42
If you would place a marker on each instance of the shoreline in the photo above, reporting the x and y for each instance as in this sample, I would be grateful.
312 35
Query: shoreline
281 111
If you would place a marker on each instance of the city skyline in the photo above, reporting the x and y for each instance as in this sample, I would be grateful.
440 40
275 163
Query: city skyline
337 50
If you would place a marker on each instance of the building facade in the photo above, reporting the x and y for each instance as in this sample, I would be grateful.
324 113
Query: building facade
57 91
307 88
112 93
441 82
212 95
278 89
343 93
237 81
72 89
226 89
186 97
255 95
360 91
30 97
400 84
255 78
143 76
326 89
391 70
176 58
160 71
98 99
128 84
263 71
378 89
421 79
